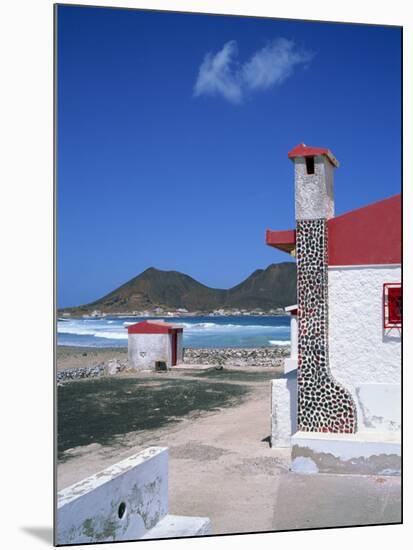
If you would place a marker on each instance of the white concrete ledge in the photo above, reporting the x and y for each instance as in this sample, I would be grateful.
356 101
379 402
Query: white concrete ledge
119 503
179 526
360 453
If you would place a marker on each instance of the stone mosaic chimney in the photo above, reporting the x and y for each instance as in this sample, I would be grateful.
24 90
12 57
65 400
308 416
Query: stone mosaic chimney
323 404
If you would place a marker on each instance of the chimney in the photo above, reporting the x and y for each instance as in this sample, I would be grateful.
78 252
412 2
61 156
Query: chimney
314 188
321 400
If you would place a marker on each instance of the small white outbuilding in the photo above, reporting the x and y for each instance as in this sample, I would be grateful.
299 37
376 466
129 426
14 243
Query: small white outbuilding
150 342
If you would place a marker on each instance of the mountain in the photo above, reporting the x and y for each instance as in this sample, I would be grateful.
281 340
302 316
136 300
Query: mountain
267 288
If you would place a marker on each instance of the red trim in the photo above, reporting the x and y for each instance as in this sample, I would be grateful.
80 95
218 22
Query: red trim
392 305
302 150
283 240
153 327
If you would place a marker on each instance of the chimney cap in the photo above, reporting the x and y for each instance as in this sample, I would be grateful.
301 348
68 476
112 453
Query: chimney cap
302 150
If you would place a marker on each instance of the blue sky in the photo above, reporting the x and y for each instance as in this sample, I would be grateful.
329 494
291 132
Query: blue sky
174 129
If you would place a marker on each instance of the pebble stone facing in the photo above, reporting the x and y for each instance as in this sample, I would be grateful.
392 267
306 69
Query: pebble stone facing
323 404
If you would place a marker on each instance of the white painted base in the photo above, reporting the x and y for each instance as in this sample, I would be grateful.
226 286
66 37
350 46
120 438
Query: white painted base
179 526
360 453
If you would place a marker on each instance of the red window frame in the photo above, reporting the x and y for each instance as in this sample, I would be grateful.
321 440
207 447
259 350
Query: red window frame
392 305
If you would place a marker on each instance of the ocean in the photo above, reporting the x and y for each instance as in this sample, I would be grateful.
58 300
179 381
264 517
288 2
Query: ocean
199 332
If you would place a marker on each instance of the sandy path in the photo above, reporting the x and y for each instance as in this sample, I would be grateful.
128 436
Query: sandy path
222 467
219 464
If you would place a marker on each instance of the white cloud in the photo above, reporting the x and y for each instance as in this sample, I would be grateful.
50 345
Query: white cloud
221 74
218 74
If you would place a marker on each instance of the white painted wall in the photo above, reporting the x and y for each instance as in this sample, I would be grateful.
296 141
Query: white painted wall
88 510
379 407
364 357
283 410
294 337
145 349
291 363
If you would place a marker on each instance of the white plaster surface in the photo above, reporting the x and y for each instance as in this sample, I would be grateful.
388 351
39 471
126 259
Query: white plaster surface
145 349
290 365
314 193
294 337
360 351
283 410
88 510
364 357
379 407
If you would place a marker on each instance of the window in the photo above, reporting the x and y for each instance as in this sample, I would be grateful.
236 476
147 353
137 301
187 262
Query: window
309 164
392 305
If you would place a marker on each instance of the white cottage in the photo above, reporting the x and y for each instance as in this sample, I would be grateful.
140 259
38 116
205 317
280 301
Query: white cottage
340 408
150 342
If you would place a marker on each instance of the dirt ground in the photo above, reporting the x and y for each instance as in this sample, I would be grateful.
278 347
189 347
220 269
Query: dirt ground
71 357
221 466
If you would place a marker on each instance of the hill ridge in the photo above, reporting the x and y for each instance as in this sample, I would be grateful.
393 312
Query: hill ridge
269 288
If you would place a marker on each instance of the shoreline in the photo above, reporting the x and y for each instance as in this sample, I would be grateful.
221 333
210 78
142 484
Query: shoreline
173 315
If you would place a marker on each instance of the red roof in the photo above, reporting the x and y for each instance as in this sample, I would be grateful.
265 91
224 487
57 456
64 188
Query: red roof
153 327
302 150
366 236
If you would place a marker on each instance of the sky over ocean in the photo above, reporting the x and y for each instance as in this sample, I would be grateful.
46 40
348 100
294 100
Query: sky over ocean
174 129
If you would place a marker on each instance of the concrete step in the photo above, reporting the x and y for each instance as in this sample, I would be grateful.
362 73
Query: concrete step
179 526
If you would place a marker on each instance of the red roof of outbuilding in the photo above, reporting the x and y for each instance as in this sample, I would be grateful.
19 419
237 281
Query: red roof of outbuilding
153 327
366 236
302 150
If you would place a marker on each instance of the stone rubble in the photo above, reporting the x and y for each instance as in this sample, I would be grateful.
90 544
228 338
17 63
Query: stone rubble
108 368
237 357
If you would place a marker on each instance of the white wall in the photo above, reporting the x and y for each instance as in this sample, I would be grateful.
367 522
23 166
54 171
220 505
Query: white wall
363 356
294 337
145 349
89 510
283 409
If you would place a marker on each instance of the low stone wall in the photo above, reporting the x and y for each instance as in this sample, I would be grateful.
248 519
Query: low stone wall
237 357
108 368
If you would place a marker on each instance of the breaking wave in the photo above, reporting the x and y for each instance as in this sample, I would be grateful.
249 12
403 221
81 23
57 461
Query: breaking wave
198 332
